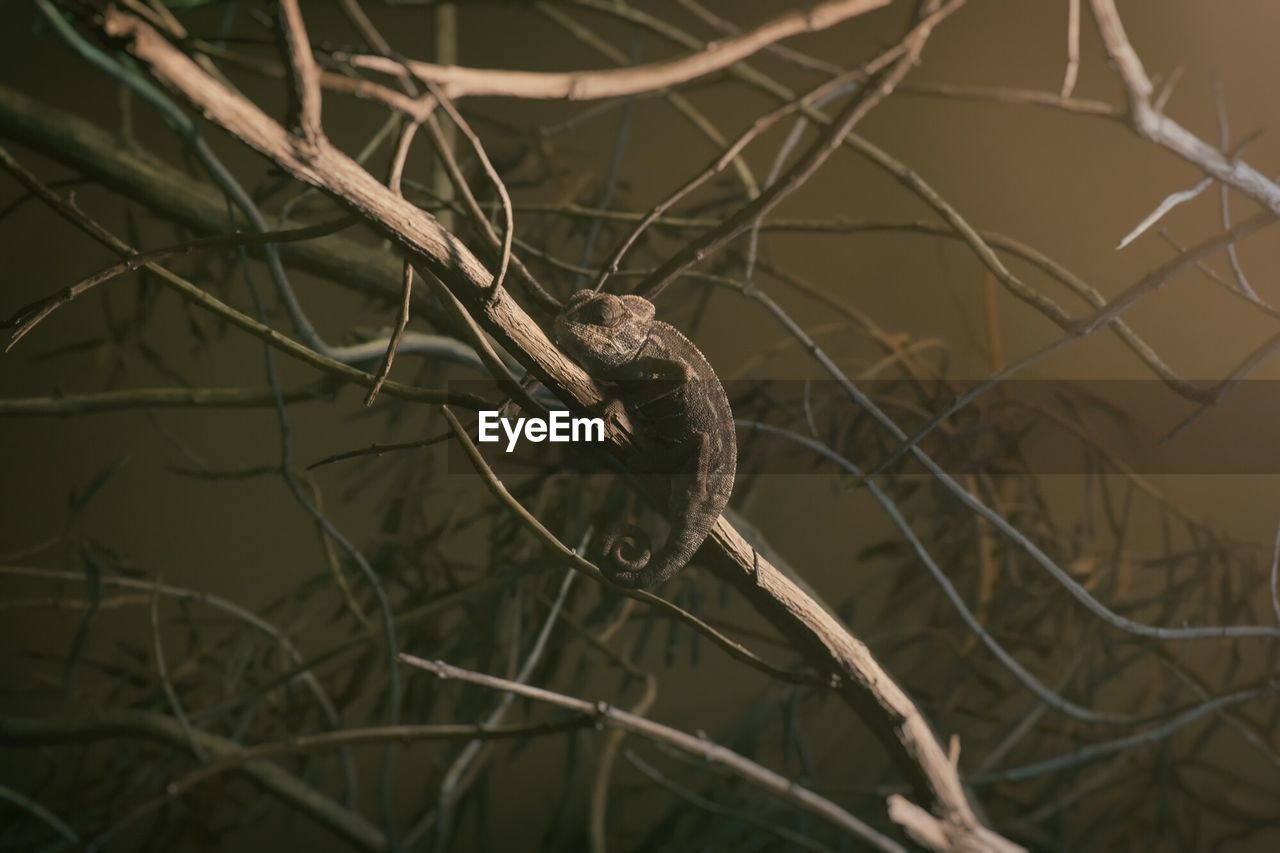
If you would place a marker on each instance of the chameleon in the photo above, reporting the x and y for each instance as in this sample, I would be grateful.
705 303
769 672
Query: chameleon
665 382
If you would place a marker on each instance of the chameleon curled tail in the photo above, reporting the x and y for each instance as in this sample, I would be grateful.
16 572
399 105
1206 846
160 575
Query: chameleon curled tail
629 559
627 550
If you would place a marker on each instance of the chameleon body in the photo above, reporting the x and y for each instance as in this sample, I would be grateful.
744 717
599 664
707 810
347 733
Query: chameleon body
666 383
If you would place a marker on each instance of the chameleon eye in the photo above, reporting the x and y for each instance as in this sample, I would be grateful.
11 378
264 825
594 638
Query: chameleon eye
601 312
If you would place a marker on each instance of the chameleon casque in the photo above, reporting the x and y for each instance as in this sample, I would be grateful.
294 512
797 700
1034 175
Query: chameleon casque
666 383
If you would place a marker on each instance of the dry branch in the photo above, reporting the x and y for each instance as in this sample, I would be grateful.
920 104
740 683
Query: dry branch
1148 120
460 82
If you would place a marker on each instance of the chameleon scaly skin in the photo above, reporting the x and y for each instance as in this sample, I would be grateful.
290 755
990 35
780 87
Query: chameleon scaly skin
665 382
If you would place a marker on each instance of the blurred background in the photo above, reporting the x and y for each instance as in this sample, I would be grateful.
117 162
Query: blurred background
118 527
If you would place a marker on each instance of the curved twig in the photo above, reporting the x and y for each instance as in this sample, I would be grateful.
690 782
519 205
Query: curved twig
458 81
702 748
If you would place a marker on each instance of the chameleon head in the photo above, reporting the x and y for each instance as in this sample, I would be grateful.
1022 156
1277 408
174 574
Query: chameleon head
602 331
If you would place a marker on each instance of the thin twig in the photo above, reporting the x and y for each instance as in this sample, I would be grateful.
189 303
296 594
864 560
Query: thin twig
304 77
393 342
1224 192
170 692
1073 48
1152 735
509 227
794 839
30 806
702 748
101 402
29 317
1275 577
1170 202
